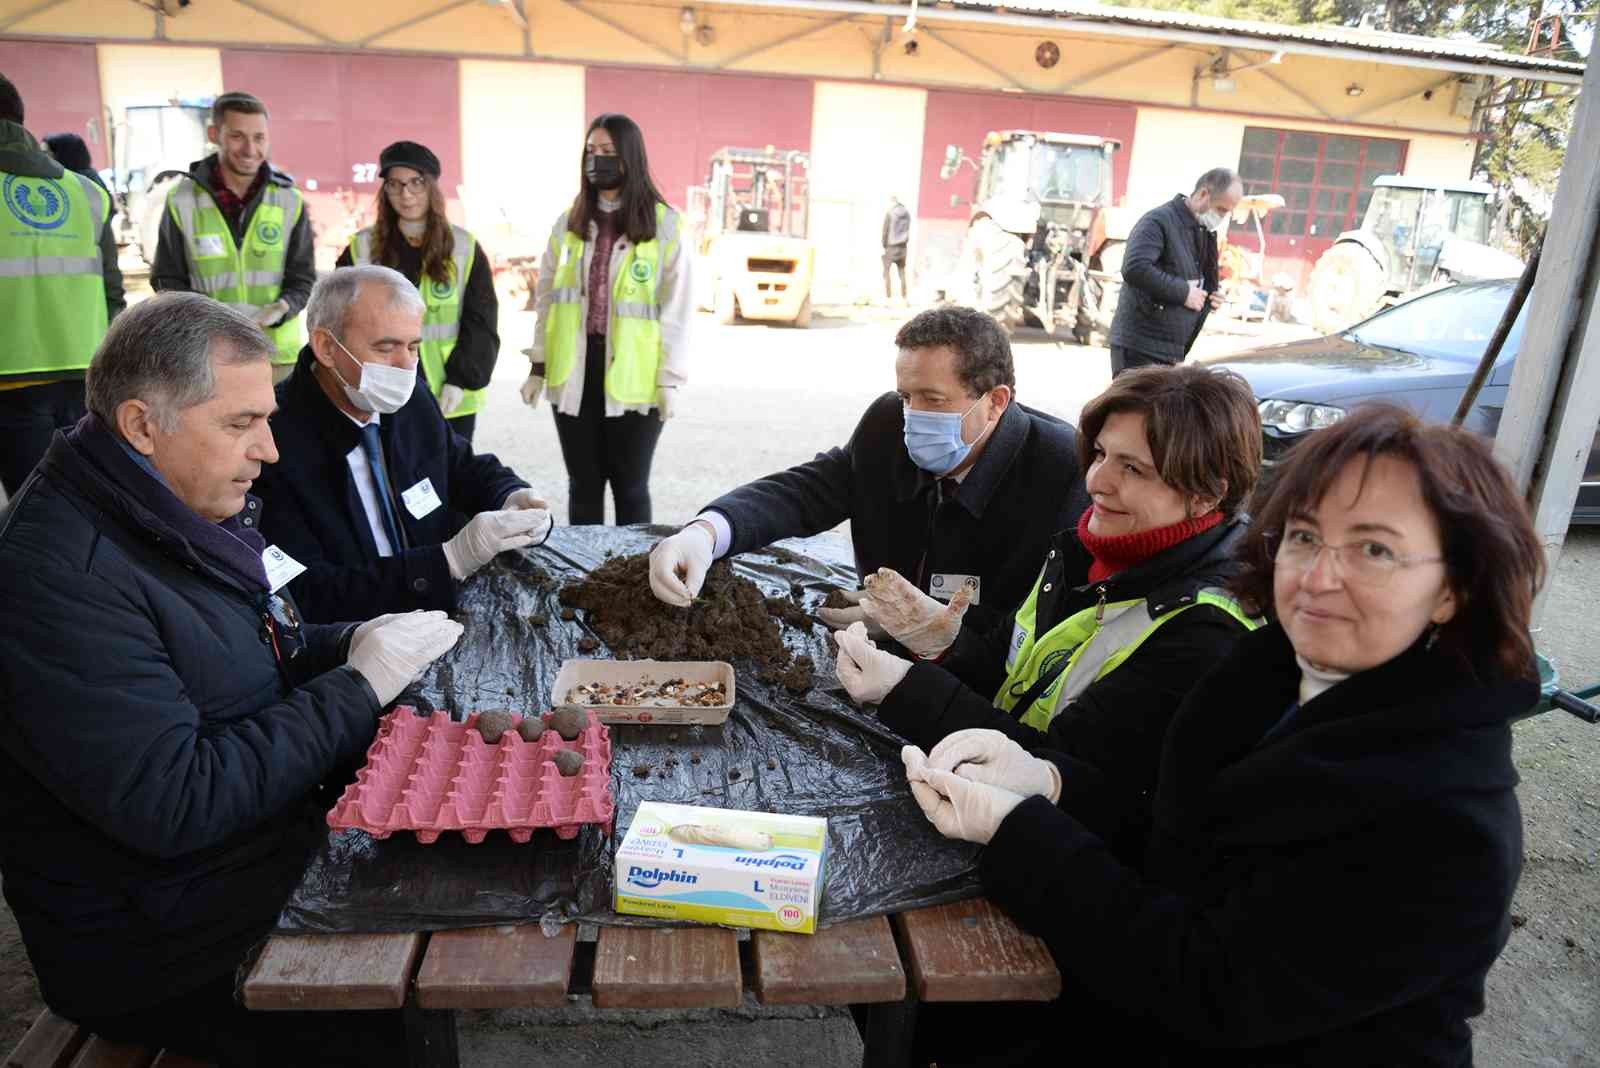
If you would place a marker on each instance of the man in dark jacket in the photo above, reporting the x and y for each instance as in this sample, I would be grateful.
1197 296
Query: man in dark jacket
896 236
1169 274
372 486
945 480
165 718
236 229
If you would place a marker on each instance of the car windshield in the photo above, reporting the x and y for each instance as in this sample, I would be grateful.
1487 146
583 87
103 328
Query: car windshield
1044 171
1453 323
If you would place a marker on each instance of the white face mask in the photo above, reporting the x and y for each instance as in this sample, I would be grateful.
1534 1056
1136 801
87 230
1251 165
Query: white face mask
1214 220
383 389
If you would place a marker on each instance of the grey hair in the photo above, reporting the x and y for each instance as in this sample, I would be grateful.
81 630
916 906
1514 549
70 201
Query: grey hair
160 350
334 294
1217 181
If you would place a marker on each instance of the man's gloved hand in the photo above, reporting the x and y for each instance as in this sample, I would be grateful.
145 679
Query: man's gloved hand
990 757
489 533
666 402
528 500
867 673
840 618
391 652
958 807
271 314
450 398
678 565
920 623
532 386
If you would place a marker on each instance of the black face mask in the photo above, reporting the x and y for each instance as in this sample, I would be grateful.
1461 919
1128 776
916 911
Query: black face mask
603 172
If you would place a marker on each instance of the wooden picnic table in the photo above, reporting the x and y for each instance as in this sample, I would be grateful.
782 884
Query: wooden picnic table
966 951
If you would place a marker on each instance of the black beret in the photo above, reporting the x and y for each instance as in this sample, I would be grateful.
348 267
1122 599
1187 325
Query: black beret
408 154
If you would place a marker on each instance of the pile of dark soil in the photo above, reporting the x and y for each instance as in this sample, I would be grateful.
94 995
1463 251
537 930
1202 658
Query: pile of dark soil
730 620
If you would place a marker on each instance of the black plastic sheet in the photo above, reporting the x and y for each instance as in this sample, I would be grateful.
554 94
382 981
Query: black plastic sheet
809 754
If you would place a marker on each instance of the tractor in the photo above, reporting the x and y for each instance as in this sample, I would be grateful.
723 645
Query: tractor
1044 247
152 148
1415 235
754 260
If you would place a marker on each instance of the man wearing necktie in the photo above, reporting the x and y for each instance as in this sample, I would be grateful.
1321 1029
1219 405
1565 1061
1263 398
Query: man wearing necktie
373 489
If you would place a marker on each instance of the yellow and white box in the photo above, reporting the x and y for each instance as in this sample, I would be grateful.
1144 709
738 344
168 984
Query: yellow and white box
718 865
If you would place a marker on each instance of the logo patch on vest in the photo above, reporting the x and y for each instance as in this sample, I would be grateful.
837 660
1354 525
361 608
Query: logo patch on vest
441 290
269 233
641 271
37 202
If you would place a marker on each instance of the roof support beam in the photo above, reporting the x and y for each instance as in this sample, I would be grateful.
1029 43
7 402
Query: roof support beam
412 21
28 13
817 27
626 31
1113 68
1292 91
979 60
291 23
1379 105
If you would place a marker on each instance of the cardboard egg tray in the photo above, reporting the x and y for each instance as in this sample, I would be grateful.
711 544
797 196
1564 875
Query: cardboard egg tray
432 774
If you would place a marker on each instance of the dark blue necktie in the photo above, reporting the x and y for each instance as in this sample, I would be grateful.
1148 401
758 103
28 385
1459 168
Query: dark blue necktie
374 451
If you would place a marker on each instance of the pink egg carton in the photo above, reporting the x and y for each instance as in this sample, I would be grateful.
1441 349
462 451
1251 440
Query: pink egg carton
432 774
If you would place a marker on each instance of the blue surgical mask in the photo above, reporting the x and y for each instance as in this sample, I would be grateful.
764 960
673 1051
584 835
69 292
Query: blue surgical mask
933 439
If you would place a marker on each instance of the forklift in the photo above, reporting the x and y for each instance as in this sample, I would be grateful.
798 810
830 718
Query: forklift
753 258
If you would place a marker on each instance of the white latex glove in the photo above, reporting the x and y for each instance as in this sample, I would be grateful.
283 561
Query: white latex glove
391 652
840 618
488 534
866 672
271 314
959 808
450 398
532 386
921 623
666 402
990 757
528 500
678 565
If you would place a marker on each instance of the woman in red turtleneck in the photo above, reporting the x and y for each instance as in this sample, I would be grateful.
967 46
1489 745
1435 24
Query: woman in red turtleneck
1171 454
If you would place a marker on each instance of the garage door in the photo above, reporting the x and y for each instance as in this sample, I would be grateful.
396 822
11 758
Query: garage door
60 87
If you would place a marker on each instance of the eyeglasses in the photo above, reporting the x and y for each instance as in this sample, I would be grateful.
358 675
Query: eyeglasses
400 185
1366 563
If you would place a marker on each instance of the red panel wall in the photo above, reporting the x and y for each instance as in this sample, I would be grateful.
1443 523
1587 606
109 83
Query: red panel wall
686 117
60 87
963 118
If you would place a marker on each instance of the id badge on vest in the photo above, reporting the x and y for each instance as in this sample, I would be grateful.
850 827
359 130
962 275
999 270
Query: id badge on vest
281 568
1018 638
207 245
421 499
944 587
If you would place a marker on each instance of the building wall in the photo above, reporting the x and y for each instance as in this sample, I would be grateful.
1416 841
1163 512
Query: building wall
60 87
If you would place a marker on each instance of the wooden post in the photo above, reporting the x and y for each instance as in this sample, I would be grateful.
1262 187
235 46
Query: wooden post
1551 413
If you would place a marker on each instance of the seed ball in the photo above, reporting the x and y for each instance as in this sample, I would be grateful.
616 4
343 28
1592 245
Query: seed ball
568 721
531 728
568 762
587 645
492 724
569 614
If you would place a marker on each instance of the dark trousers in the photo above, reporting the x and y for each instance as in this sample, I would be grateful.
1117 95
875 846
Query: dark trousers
1125 359
894 256
598 450
29 418
209 1024
464 425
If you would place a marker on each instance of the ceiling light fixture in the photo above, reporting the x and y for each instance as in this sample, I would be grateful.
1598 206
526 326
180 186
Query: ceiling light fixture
1353 90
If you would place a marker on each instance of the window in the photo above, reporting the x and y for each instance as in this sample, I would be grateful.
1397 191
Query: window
1325 179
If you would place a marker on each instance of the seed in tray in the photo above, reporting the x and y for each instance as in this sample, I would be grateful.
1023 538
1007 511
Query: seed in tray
492 724
568 762
531 728
569 614
568 721
587 645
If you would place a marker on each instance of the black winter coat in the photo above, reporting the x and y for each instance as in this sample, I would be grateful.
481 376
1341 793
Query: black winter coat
1333 895
1166 249
157 769
314 514
997 525
1108 741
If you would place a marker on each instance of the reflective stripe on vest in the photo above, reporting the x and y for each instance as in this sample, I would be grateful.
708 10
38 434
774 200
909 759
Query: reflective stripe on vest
634 323
247 278
1095 649
441 318
52 292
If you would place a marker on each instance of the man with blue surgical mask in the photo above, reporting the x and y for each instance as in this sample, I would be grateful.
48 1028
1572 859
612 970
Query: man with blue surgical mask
947 481
376 504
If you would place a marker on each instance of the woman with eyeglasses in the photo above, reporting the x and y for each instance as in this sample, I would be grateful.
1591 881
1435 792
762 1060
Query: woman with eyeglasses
1128 611
611 343
1336 836
412 234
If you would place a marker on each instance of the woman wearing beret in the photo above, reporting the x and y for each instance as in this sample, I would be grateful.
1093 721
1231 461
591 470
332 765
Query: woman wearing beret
460 332
611 345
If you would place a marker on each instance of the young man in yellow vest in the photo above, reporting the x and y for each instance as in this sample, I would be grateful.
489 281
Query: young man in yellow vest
236 230
59 287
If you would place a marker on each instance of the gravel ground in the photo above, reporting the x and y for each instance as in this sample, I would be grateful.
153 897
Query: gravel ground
763 398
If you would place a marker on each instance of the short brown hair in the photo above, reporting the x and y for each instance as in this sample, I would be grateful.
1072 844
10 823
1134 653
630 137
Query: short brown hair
1202 426
1493 560
243 103
981 348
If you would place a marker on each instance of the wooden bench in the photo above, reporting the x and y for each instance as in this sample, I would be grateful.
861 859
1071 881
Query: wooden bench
54 1042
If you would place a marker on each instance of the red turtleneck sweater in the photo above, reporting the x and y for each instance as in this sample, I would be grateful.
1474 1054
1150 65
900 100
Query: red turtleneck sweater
1122 551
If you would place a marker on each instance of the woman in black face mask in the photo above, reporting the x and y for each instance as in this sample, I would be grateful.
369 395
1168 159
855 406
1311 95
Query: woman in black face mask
611 343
